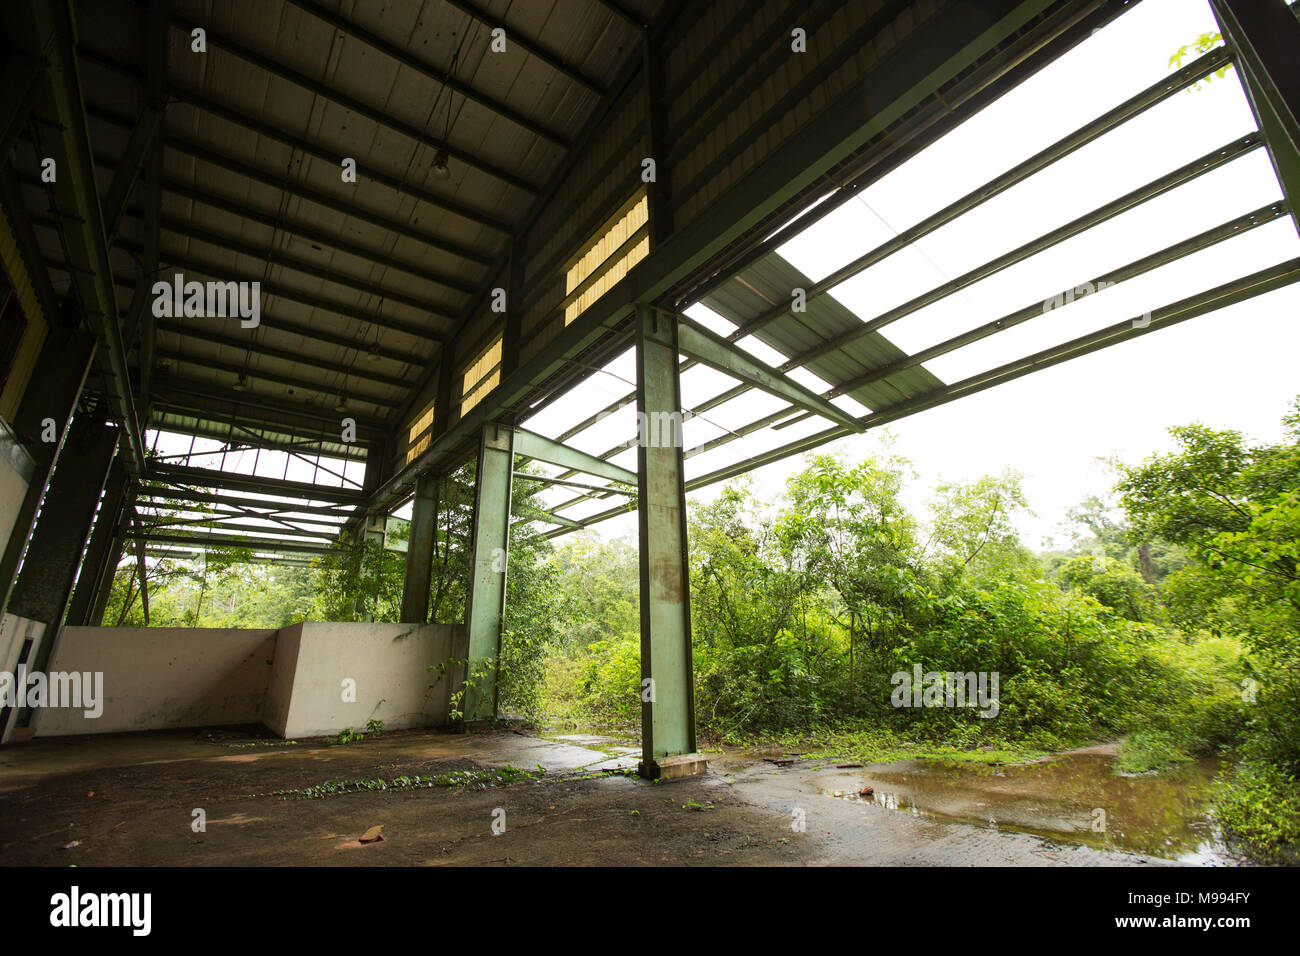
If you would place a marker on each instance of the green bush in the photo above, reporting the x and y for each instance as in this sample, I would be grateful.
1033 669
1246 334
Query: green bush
1258 806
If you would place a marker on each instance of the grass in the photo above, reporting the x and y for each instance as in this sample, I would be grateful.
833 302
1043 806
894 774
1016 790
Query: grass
478 778
877 745
1145 751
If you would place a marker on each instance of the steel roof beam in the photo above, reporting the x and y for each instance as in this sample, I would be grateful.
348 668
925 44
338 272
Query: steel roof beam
568 483
230 481
429 71
780 420
293 381
47 30
1229 229
630 17
198 101
280 70
274 258
207 542
287 355
716 352
911 74
220 525
303 231
1266 37
160 494
555 62
256 404
1134 106
1182 175
228 163
302 298
1239 290
219 515
531 445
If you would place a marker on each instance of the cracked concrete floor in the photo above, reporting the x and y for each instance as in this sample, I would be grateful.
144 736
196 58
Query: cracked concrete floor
129 800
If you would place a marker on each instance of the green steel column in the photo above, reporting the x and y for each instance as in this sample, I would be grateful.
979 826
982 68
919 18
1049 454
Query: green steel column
485 613
419 552
667 684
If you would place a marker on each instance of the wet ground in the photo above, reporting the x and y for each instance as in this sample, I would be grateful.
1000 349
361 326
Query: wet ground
132 800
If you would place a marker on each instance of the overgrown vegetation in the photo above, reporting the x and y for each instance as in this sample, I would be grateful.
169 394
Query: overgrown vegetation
1169 620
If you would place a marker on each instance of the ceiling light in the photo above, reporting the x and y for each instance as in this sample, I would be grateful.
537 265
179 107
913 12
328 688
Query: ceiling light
342 406
373 354
440 164
241 383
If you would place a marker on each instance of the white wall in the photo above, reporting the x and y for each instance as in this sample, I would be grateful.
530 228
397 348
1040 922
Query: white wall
160 678
14 632
389 665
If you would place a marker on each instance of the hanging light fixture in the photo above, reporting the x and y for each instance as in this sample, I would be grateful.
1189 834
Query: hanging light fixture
372 355
441 158
342 406
241 383
440 169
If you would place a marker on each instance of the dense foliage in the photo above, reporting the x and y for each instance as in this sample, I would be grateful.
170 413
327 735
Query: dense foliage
1170 620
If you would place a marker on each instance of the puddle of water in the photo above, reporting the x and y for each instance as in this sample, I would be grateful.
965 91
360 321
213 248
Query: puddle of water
1076 798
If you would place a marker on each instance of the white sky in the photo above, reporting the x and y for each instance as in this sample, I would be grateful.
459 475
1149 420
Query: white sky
1234 368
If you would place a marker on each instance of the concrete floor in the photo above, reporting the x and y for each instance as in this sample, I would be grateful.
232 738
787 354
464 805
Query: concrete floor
130 800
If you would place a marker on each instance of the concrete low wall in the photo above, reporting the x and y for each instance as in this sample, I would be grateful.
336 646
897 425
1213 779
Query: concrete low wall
331 676
293 680
159 678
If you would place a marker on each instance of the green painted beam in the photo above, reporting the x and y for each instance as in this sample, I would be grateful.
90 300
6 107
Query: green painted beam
716 352
1230 293
485 607
531 445
1134 106
1170 181
569 483
1265 37
541 514
419 552
667 684
214 541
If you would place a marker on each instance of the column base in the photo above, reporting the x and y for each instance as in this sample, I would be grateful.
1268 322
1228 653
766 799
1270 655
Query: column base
674 767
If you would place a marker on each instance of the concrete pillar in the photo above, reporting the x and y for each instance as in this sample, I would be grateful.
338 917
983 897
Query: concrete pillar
485 610
419 552
96 575
667 681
